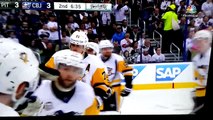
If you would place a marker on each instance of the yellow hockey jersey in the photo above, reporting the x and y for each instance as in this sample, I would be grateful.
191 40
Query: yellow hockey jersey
117 68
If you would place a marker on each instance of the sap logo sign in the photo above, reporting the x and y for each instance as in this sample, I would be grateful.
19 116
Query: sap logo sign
169 72
137 70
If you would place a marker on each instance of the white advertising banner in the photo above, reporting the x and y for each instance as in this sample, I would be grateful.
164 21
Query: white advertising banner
163 73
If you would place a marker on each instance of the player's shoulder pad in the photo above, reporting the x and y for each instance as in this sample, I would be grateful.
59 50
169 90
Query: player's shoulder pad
85 90
44 84
117 57
95 61
83 86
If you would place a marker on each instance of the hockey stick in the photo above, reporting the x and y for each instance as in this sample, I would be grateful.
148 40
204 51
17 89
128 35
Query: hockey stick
122 99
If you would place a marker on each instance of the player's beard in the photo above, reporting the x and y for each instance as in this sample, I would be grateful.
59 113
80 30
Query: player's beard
66 83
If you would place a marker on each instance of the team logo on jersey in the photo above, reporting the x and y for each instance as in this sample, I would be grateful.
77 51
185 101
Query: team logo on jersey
23 56
109 71
26 5
48 106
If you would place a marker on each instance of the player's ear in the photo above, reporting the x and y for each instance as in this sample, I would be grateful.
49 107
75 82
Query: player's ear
21 90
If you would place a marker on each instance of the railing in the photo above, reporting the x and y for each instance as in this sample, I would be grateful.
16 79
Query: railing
144 26
176 56
158 42
130 17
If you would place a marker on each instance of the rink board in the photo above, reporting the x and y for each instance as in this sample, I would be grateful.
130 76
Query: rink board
163 76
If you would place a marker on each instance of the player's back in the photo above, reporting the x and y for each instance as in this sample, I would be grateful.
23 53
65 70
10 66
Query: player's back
6 111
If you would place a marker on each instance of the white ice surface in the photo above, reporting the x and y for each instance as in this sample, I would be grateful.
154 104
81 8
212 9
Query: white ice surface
157 102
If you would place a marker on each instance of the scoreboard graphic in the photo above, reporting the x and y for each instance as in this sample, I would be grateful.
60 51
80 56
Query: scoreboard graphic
56 6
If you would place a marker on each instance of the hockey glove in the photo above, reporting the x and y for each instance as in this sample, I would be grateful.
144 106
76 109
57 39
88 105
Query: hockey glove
103 94
125 92
33 108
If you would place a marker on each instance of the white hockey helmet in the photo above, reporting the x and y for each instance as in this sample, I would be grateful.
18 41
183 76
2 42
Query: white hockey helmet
105 44
93 46
203 35
79 38
18 64
69 58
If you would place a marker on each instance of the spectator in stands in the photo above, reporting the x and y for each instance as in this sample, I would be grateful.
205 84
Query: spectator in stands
125 27
112 30
53 27
43 30
189 43
103 36
26 36
12 36
211 20
135 34
34 46
94 28
135 11
177 3
147 46
134 49
65 40
126 43
72 24
105 19
86 22
81 15
83 28
106 22
91 35
205 24
199 19
146 57
169 33
97 40
141 41
96 20
181 10
191 24
68 29
207 8
182 23
154 21
118 36
164 5
158 56
120 11
126 57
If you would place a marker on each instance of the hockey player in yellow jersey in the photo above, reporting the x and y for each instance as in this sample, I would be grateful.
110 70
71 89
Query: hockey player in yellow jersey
117 68
19 76
202 42
66 95
95 73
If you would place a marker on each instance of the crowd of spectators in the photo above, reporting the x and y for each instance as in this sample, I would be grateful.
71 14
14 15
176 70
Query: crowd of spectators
40 30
